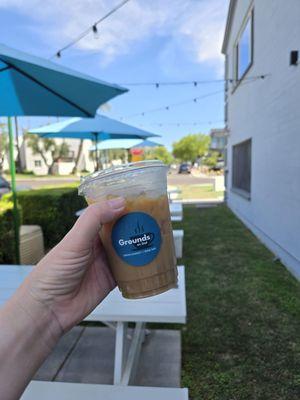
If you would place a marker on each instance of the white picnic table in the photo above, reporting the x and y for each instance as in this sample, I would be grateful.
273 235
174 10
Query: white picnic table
117 312
176 211
173 193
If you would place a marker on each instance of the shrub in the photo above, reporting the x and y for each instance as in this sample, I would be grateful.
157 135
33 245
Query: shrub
51 208
7 237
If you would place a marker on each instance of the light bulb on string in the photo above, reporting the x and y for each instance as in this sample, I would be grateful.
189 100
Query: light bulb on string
95 31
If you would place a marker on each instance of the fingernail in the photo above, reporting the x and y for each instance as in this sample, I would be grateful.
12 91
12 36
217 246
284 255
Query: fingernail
116 203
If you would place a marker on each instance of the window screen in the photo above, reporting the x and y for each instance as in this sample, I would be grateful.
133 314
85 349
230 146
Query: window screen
241 166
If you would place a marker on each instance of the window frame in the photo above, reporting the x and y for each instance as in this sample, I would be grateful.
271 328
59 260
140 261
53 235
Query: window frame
241 192
249 17
39 162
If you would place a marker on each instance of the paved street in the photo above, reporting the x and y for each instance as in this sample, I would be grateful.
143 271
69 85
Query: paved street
187 179
36 183
173 179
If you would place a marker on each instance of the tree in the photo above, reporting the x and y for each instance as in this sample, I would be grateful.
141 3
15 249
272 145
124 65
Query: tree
18 160
3 146
211 159
77 159
191 146
43 146
104 107
159 153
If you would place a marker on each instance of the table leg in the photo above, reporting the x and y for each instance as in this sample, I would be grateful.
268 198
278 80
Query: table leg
134 353
120 351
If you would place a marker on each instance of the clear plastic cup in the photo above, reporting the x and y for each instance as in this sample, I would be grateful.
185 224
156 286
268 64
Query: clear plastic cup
139 244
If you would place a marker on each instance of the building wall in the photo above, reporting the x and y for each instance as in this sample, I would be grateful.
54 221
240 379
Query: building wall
268 111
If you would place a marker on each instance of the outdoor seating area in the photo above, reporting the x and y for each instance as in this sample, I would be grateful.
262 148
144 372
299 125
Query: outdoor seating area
114 345
124 355
237 298
149 222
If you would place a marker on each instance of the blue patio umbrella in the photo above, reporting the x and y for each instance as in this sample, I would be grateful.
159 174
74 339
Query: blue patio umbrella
97 129
112 144
127 144
146 143
33 86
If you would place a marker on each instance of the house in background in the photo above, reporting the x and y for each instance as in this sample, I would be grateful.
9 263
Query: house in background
262 113
35 163
218 140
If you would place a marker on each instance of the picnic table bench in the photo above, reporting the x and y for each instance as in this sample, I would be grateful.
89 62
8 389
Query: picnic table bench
117 312
173 193
79 391
176 211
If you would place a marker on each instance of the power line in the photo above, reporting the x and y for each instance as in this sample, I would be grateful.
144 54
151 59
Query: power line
92 28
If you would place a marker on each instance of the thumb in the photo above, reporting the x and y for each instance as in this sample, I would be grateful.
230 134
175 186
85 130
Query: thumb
87 226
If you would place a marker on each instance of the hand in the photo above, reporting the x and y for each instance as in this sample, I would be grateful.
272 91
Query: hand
62 289
74 277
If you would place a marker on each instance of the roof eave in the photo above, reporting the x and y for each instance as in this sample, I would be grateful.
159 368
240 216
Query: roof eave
231 9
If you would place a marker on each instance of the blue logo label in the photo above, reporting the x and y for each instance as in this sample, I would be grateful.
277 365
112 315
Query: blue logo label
136 238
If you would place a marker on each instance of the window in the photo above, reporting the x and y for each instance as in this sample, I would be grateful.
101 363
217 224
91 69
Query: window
244 49
37 163
69 157
241 167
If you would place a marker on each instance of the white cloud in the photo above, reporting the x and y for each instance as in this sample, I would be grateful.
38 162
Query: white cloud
195 25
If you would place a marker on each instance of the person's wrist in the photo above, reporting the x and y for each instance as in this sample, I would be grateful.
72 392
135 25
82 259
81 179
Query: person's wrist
39 318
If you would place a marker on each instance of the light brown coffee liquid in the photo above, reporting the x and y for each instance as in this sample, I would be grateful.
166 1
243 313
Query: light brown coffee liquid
161 273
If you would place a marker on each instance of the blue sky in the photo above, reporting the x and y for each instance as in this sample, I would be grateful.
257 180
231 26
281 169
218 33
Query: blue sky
145 41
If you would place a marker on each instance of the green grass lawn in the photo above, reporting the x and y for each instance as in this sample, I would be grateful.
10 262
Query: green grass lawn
242 338
190 192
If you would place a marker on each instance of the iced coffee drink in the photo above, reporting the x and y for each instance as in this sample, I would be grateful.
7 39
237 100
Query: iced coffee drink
139 244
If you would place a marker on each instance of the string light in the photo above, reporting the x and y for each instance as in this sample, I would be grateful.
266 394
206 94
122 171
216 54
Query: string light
92 28
194 83
167 108
195 99
178 124
95 31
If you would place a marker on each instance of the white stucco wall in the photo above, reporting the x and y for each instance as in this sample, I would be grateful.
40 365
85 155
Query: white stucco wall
64 168
268 111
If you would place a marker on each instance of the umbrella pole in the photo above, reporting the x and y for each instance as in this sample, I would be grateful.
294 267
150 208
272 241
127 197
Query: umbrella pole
13 188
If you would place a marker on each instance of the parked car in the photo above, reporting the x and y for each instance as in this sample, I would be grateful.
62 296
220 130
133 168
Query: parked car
4 186
219 165
185 168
